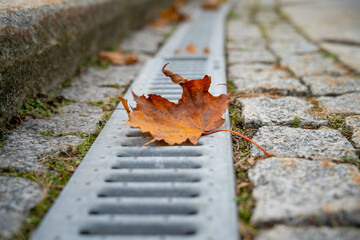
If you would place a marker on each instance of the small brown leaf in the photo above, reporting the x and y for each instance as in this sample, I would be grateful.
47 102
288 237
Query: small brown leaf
177 51
206 51
176 78
118 58
191 48
212 4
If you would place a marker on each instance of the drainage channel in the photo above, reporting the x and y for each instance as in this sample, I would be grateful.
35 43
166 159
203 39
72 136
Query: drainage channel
123 190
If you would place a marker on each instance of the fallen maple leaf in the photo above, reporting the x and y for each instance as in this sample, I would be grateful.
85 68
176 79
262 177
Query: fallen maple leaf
196 113
118 58
212 4
170 15
191 48
176 78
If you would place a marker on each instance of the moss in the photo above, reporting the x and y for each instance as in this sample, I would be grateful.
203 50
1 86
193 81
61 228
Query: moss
296 122
233 14
93 61
43 105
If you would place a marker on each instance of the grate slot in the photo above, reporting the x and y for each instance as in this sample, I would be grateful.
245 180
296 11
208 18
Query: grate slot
148 192
178 164
138 229
164 177
157 153
141 209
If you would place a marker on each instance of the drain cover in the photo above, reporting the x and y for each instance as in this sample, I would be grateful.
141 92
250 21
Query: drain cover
123 190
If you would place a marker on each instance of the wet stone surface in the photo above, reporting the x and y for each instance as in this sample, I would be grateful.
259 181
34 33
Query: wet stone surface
22 151
262 56
347 103
329 85
353 122
17 197
299 191
304 143
264 111
270 82
77 118
307 65
282 232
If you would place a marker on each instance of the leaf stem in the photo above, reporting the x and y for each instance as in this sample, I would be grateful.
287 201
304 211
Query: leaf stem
243 136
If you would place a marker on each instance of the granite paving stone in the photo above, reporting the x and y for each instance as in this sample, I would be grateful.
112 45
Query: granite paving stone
299 192
22 151
88 93
347 103
256 70
77 118
264 111
283 32
348 54
330 85
237 30
286 48
246 45
96 84
17 197
144 41
270 82
353 122
282 232
314 64
258 56
304 143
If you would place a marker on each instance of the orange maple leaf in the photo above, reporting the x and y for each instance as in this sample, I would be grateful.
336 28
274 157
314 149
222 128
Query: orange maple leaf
196 113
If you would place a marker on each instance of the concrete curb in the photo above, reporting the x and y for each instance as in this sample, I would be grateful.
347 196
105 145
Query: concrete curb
43 41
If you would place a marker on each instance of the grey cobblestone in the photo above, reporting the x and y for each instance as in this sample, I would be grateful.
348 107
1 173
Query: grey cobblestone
347 103
264 111
22 151
286 48
256 70
246 45
17 197
238 30
298 191
282 232
144 41
314 64
329 85
98 85
303 143
270 82
77 118
353 122
259 56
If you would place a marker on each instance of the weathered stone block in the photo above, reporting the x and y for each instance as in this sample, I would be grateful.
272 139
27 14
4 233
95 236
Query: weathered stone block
264 111
304 143
300 192
18 196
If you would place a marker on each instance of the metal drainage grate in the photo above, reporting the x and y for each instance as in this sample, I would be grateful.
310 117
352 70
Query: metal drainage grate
123 190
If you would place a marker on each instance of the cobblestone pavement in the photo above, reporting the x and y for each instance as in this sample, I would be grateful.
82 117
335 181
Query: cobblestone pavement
304 107
36 139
